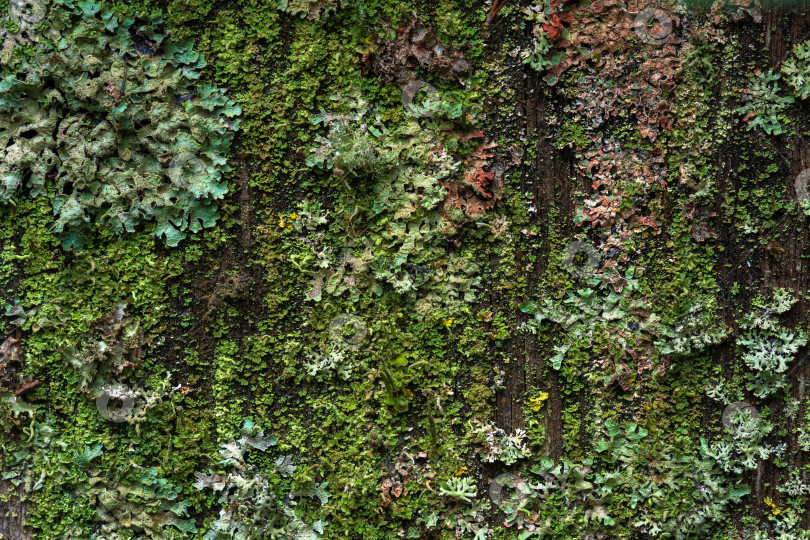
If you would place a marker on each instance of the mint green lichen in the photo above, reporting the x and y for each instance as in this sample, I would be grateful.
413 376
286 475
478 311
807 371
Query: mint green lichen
797 70
107 124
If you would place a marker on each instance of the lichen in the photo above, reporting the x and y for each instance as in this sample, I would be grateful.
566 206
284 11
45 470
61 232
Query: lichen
105 116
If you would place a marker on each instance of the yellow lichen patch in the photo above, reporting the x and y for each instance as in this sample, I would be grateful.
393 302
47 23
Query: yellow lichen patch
537 401
286 220
774 509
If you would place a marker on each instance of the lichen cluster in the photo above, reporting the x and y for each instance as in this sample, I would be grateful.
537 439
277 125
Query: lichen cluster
105 118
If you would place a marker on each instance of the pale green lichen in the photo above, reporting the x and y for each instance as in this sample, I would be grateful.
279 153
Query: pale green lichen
768 347
312 9
395 176
461 489
797 70
325 364
106 117
249 507
497 445
764 106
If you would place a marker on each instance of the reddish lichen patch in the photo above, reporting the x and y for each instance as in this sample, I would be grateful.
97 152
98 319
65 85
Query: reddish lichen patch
480 186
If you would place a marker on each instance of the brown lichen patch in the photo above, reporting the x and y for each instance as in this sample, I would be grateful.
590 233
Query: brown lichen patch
479 189
10 351
619 85
700 220
11 363
415 46
115 92
621 71
595 32
408 468
608 166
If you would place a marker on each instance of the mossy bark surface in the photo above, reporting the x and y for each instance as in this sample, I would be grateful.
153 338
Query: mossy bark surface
337 269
